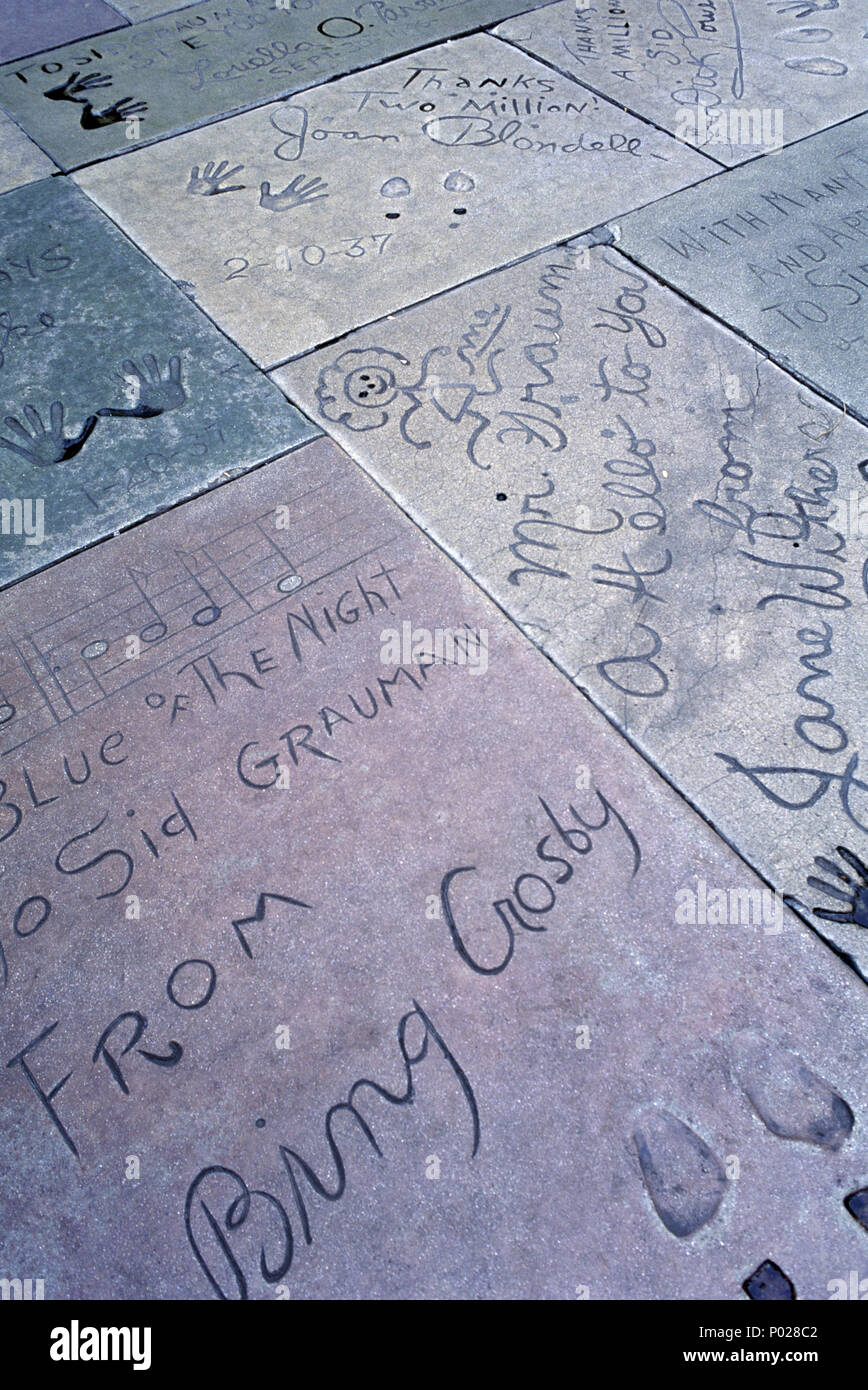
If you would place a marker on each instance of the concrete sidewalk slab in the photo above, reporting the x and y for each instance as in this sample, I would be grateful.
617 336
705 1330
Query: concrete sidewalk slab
732 81
778 249
21 161
300 221
31 26
86 101
147 9
117 396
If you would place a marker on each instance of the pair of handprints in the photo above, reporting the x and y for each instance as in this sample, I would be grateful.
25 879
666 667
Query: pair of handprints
213 180
77 88
45 445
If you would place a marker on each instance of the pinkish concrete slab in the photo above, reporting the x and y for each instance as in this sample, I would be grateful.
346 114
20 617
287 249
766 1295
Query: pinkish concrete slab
275 873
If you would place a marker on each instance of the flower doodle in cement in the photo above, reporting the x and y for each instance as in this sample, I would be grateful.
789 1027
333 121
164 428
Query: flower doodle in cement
849 889
365 388
356 389
151 394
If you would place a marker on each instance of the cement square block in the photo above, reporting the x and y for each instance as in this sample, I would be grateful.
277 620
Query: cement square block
299 221
117 396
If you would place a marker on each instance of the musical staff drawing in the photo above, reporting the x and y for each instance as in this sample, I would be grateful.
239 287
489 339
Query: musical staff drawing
150 620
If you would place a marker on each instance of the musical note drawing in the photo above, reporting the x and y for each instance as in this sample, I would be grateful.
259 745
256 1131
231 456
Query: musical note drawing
155 630
80 657
94 649
289 580
203 617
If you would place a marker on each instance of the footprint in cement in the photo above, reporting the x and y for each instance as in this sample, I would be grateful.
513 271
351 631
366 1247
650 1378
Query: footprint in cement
456 182
395 188
790 1099
768 1281
683 1178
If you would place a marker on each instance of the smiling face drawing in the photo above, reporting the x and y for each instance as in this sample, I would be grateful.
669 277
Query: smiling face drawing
371 386
356 389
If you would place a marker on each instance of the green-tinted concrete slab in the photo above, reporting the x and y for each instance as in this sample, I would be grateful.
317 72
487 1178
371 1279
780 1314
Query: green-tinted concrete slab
778 249
299 221
21 161
85 101
30 26
346 894
733 80
117 396
680 524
